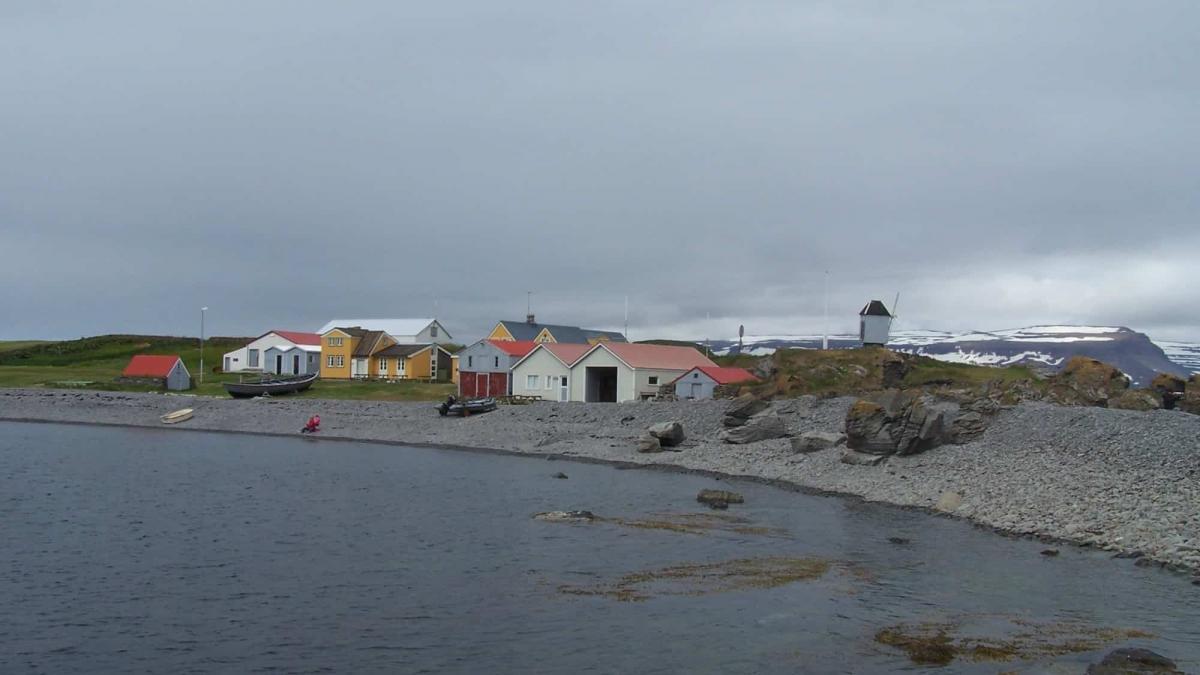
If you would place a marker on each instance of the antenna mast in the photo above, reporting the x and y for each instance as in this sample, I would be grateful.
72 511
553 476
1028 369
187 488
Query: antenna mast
626 317
825 335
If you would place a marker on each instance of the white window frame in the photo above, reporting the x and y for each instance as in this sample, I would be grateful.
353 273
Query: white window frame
433 331
470 361
252 358
653 380
551 381
531 382
329 362
335 342
383 364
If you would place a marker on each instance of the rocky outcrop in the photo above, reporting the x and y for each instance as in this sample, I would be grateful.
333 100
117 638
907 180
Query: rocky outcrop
893 369
1190 401
669 434
1087 381
761 427
1169 389
967 426
816 441
900 423
742 409
1128 660
1136 399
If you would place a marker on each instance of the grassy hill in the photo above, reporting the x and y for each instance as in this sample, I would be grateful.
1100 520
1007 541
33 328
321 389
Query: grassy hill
795 372
96 362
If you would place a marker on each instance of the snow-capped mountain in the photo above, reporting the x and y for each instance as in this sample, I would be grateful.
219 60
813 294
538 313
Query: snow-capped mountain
1046 347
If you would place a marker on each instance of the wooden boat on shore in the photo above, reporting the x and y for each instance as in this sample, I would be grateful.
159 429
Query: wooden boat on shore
178 416
268 386
454 407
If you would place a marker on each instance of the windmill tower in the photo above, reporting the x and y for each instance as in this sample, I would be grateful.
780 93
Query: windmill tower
874 324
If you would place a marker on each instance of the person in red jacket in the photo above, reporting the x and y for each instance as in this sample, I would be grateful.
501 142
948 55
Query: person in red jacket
313 425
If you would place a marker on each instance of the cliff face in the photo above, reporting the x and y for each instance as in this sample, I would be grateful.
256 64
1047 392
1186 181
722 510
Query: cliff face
1043 347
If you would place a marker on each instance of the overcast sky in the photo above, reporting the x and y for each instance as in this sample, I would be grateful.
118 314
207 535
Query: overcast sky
285 163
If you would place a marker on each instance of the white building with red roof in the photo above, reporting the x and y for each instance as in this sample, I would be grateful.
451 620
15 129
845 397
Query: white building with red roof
699 382
605 372
281 352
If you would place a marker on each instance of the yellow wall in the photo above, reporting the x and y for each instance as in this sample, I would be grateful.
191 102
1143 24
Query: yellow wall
501 333
348 344
418 364
454 369
545 336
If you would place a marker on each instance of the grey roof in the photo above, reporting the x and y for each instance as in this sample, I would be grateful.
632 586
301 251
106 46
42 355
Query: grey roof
874 308
401 351
523 330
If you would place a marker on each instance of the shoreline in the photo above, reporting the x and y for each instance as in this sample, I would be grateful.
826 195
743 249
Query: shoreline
530 431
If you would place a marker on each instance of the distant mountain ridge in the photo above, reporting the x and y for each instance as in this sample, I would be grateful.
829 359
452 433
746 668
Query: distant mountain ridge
1043 347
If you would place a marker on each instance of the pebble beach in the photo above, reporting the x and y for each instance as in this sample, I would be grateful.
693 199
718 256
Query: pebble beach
1118 480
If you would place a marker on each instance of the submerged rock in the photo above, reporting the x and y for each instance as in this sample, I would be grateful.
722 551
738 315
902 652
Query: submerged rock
1133 660
669 434
565 516
560 475
725 497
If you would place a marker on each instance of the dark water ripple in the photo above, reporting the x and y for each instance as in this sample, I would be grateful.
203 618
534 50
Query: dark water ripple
154 551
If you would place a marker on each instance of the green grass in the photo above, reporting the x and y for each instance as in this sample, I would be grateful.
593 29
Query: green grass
98 361
9 345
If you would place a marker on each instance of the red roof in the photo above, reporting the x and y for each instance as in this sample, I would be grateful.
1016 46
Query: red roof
658 357
299 338
567 353
146 365
724 375
517 349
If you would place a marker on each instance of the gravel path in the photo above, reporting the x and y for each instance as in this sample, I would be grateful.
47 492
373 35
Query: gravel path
1120 480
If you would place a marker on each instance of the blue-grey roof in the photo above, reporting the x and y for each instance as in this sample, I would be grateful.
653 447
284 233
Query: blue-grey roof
523 330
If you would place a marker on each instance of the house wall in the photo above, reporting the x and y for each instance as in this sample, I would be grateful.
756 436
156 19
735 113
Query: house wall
501 333
484 357
540 363
418 364
874 329
602 358
683 388
179 379
309 361
480 385
329 372
262 344
642 386
426 336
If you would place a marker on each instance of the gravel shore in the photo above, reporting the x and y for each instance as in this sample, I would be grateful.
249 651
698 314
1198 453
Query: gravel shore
1119 480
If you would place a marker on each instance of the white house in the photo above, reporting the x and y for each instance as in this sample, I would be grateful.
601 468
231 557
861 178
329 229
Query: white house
545 371
403 331
620 371
699 382
282 352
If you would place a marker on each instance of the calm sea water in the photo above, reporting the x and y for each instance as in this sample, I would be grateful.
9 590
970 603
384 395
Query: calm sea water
160 551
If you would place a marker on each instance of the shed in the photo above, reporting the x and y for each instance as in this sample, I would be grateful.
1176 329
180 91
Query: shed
620 371
699 382
484 367
874 323
282 352
166 371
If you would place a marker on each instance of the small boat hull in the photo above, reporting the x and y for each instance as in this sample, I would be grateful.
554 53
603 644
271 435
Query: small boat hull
287 385
467 408
177 416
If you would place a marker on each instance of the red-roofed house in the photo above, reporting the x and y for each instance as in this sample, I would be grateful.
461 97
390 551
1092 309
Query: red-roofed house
483 368
167 371
608 371
282 352
699 382
546 370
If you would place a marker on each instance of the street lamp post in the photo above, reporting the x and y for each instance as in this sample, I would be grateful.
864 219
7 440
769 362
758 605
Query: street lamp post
202 311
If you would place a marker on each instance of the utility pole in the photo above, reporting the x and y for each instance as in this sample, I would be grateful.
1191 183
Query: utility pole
627 318
202 311
825 335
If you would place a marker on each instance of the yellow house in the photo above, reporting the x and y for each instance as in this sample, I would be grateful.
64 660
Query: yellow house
354 353
530 329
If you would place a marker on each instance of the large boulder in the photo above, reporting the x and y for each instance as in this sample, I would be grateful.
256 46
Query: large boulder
1136 399
1128 660
669 434
901 422
815 441
1190 402
967 426
648 444
1169 389
1086 381
742 409
757 428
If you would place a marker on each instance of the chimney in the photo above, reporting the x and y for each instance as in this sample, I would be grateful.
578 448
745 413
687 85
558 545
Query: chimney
529 319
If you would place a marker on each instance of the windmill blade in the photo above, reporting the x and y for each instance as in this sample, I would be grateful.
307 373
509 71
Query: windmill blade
895 305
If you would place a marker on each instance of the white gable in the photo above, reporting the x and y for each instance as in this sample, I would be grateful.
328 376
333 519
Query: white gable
397 328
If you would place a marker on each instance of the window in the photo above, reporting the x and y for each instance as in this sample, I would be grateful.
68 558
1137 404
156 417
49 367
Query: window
433 331
253 358
497 364
531 381
383 366
653 379
335 342
695 376
470 361
550 380
335 361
